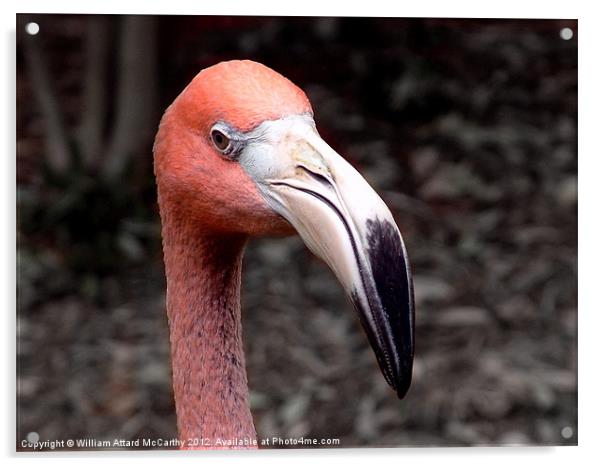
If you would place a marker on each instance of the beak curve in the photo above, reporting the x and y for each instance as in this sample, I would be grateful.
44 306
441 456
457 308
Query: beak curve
344 222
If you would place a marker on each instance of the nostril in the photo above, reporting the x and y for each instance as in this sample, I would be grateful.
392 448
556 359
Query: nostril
316 176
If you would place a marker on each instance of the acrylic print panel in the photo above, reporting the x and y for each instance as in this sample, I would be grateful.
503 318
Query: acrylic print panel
466 129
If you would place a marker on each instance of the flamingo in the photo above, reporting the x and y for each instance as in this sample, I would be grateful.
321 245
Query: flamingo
237 155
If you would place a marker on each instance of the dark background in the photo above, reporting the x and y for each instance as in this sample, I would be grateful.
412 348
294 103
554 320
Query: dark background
467 129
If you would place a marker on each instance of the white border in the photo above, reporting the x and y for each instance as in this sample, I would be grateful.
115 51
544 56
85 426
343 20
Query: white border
590 79
425 8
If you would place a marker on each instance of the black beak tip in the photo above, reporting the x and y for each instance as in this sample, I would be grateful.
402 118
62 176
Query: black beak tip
392 309
398 376
403 386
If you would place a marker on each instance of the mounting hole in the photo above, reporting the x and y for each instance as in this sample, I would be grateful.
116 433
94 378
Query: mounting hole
566 432
32 28
566 33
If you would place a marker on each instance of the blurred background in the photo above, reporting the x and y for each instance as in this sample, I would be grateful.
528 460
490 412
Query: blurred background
467 129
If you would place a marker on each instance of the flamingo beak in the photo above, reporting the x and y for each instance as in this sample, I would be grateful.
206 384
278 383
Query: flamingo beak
343 221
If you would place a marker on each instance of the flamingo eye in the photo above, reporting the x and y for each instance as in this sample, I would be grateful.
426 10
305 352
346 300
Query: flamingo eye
220 140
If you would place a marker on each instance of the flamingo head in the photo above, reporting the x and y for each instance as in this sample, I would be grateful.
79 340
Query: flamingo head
238 152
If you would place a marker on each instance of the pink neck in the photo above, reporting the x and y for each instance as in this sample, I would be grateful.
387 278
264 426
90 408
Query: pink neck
203 306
